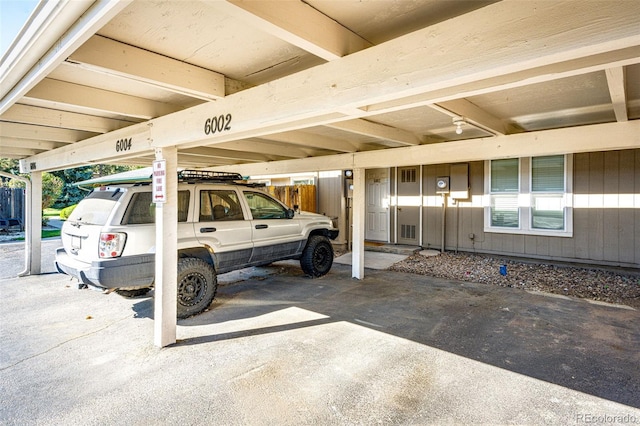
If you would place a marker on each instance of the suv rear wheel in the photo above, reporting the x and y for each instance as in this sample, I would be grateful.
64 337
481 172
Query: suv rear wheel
197 286
317 256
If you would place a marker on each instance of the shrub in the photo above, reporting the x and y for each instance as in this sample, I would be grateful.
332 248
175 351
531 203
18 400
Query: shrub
66 212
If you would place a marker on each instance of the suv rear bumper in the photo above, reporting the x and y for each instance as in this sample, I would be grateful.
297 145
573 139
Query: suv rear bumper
123 272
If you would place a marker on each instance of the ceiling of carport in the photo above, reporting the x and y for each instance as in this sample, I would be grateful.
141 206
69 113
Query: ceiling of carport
154 58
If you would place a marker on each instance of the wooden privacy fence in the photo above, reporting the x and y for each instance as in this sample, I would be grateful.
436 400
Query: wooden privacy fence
304 196
11 207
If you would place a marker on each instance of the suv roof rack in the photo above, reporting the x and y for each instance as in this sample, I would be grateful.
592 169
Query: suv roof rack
208 176
196 176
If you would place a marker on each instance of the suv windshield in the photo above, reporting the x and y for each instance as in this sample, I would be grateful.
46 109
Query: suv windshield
95 208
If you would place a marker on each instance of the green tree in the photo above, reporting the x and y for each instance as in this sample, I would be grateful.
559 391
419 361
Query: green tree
72 194
58 187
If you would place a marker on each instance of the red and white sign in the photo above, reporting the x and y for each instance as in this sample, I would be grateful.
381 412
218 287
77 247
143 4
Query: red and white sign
159 181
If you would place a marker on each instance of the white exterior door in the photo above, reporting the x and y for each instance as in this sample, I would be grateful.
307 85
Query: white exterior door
377 209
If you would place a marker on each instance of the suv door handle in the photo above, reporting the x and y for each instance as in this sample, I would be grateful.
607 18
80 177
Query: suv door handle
205 230
262 226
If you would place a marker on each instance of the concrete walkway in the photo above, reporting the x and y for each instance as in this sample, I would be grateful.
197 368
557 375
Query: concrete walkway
372 259
280 348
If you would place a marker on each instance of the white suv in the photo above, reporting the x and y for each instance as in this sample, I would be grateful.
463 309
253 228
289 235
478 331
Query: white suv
224 225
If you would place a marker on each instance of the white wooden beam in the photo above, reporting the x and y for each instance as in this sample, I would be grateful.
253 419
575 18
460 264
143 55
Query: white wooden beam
377 130
28 114
306 139
537 74
12 151
53 134
298 23
199 162
61 93
111 57
31 144
472 114
55 30
17 152
265 147
599 137
229 154
617 89
96 149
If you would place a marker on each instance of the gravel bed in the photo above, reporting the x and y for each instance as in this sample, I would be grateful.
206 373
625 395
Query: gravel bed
595 284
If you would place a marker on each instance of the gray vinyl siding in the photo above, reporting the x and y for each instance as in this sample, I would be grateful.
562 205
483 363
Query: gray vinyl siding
606 236
331 203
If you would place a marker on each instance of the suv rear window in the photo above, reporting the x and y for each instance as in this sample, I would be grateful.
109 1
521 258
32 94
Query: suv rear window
95 208
141 210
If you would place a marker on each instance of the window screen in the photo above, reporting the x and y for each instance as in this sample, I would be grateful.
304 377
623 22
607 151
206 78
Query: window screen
547 192
504 188
504 175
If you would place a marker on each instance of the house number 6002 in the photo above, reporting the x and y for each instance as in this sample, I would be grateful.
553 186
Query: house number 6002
123 145
217 124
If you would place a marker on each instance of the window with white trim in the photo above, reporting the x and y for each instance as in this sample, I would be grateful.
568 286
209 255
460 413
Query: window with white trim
530 195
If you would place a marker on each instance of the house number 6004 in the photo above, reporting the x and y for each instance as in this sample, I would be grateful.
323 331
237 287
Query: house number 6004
123 145
217 124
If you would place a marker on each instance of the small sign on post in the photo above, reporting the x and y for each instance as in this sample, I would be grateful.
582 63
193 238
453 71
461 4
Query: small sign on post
159 181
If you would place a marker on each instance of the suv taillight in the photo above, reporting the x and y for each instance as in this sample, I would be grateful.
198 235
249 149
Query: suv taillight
111 244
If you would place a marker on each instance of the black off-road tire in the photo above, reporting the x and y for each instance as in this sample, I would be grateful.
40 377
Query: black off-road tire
317 256
197 286
133 293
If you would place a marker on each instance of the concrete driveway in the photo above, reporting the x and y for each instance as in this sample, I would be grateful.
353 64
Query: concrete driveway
279 348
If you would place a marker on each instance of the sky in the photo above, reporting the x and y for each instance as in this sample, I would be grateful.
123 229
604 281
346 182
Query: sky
13 15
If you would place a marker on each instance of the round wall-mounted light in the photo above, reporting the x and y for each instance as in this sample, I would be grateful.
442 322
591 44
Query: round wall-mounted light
348 173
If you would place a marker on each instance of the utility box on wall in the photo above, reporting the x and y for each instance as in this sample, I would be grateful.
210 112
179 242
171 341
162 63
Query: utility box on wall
459 181
442 185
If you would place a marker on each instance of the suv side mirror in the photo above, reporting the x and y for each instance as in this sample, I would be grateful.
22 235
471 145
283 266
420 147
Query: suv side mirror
290 213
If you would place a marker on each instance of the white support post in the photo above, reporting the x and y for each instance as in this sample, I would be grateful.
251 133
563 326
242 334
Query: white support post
166 271
357 254
33 226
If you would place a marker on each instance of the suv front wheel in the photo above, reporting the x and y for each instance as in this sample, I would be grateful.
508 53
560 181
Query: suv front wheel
317 256
197 286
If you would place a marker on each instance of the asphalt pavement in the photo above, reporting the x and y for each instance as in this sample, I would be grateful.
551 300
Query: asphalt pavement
277 347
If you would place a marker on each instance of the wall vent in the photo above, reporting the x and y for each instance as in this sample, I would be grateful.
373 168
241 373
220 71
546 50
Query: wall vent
408 175
408 232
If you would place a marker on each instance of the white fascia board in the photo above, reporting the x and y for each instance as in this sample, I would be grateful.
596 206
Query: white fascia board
46 48
124 143
599 137
111 57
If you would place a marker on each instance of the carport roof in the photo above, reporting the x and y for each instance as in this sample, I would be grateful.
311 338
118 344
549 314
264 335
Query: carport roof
236 82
